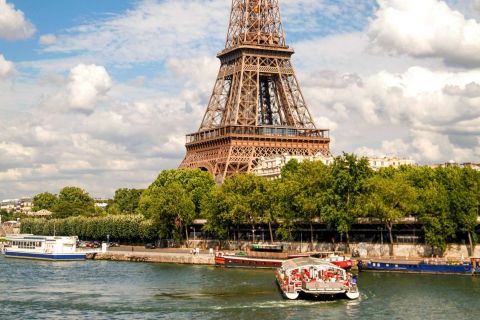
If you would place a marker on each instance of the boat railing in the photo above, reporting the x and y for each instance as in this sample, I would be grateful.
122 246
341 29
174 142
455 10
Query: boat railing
323 286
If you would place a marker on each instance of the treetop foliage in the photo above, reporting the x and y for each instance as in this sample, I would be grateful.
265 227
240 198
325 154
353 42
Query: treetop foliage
445 200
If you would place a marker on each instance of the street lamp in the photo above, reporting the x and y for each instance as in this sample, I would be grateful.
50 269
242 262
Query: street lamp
381 234
194 235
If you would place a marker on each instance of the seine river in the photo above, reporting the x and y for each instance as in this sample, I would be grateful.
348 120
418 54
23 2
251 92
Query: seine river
116 290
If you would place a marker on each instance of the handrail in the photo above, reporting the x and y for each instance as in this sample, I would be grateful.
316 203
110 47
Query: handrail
257 131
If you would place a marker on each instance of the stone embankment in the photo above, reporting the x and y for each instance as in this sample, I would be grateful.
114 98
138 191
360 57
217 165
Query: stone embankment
154 256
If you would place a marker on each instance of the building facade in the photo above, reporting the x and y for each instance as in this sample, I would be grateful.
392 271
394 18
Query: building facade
23 205
271 167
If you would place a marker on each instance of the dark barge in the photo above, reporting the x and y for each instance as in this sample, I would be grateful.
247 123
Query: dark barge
428 266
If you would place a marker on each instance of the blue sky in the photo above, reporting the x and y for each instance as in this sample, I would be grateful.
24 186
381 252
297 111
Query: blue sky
64 17
53 16
100 94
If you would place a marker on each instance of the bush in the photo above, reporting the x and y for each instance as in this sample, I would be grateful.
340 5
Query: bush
128 228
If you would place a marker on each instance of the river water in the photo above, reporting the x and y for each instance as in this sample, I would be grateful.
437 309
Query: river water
121 290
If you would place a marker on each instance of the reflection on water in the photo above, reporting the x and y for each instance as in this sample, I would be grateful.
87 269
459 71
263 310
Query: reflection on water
113 290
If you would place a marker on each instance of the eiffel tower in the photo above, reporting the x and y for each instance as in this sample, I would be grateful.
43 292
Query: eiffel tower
257 108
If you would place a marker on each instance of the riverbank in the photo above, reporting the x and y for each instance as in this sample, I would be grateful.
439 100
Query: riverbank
140 254
402 252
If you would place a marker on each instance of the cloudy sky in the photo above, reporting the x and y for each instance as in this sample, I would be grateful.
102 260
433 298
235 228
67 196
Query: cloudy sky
100 94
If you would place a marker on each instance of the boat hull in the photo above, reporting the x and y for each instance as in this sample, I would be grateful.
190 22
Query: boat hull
319 295
45 256
382 266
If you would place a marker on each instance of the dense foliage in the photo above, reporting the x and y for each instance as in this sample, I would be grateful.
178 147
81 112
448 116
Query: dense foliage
73 201
125 201
44 201
119 227
174 199
445 200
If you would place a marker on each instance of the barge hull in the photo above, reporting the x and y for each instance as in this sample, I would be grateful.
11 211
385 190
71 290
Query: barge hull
464 269
49 257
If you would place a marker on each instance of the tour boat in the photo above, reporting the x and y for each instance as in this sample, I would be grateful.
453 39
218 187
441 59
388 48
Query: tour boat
43 248
434 266
274 260
313 277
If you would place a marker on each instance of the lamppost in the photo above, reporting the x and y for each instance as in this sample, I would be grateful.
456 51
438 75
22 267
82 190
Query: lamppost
194 235
381 234
253 235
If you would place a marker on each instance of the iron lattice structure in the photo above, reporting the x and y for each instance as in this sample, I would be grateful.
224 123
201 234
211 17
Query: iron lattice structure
257 108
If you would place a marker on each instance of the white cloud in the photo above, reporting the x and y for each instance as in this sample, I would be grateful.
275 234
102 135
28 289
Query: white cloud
325 123
476 5
152 31
348 53
425 147
87 84
437 110
47 39
7 68
156 30
426 28
123 142
13 25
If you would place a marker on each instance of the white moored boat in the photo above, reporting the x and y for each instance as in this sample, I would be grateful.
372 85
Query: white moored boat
315 277
43 248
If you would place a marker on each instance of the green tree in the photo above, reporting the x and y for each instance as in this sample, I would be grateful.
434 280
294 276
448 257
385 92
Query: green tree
462 188
44 201
287 216
309 188
290 167
184 186
244 194
6 216
434 214
433 202
349 174
171 208
73 201
389 198
270 196
194 181
125 201
215 208
243 198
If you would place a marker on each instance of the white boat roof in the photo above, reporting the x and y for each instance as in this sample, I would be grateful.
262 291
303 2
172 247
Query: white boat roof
306 261
17 237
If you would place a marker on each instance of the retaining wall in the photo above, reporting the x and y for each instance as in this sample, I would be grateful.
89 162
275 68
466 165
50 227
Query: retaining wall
155 257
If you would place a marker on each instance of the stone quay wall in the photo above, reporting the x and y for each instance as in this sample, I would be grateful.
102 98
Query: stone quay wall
365 249
155 257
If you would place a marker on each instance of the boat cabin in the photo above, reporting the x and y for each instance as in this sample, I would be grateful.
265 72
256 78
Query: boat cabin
309 269
46 244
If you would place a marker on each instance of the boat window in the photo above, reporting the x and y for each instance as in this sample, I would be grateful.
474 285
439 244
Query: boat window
25 244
